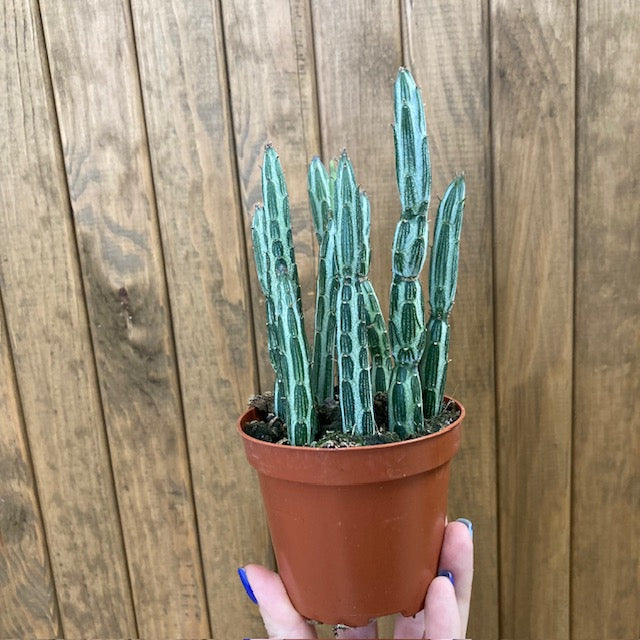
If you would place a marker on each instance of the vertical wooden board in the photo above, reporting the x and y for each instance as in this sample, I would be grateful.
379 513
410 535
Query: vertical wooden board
447 49
271 80
358 53
605 569
53 359
96 88
533 60
27 593
186 104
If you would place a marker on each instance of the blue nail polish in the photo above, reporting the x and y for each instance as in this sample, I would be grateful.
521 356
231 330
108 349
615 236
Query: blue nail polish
468 524
245 583
447 574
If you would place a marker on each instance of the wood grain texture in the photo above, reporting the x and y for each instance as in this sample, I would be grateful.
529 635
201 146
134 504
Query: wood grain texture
50 342
533 58
96 87
358 52
272 92
27 593
186 104
447 49
162 242
605 572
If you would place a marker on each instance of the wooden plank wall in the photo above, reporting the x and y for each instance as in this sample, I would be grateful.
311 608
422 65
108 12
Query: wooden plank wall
131 328
532 90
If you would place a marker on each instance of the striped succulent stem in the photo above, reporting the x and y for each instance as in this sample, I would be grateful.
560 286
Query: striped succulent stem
321 189
443 278
406 315
276 205
260 236
321 193
278 277
354 370
294 364
379 347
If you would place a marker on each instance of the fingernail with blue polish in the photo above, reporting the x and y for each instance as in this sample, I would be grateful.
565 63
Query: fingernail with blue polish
245 583
447 574
468 524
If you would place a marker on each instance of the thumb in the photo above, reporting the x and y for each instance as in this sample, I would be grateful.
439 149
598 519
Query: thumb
280 619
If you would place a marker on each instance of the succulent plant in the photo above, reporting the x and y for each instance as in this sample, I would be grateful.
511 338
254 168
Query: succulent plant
409 362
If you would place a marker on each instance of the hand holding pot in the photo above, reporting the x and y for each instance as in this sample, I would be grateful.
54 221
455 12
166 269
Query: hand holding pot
445 613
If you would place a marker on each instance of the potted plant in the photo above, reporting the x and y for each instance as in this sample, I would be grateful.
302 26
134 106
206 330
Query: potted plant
354 475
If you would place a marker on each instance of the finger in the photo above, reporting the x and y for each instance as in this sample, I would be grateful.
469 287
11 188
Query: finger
370 631
457 557
411 627
280 618
441 613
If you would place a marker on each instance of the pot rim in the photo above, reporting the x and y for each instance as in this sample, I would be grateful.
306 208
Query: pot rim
352 465
244 418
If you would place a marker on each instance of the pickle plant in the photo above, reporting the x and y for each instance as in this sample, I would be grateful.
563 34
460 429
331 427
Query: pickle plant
409 361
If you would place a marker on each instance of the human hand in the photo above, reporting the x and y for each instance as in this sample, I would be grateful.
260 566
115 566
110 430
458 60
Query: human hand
446 607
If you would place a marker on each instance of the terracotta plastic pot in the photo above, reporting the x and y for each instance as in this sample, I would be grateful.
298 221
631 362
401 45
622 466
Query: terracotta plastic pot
356 532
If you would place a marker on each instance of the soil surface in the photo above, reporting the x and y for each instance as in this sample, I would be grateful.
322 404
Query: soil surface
271 428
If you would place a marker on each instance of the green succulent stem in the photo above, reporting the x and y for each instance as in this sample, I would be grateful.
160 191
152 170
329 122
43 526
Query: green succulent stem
263 260
379 347
276 205
278 277
406 313
443 279
413 165
323 364
321 188
354 370
378 338
320 193
434 366
294 365
407 337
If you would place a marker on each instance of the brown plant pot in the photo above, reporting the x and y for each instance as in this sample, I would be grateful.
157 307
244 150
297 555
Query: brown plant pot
356 532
